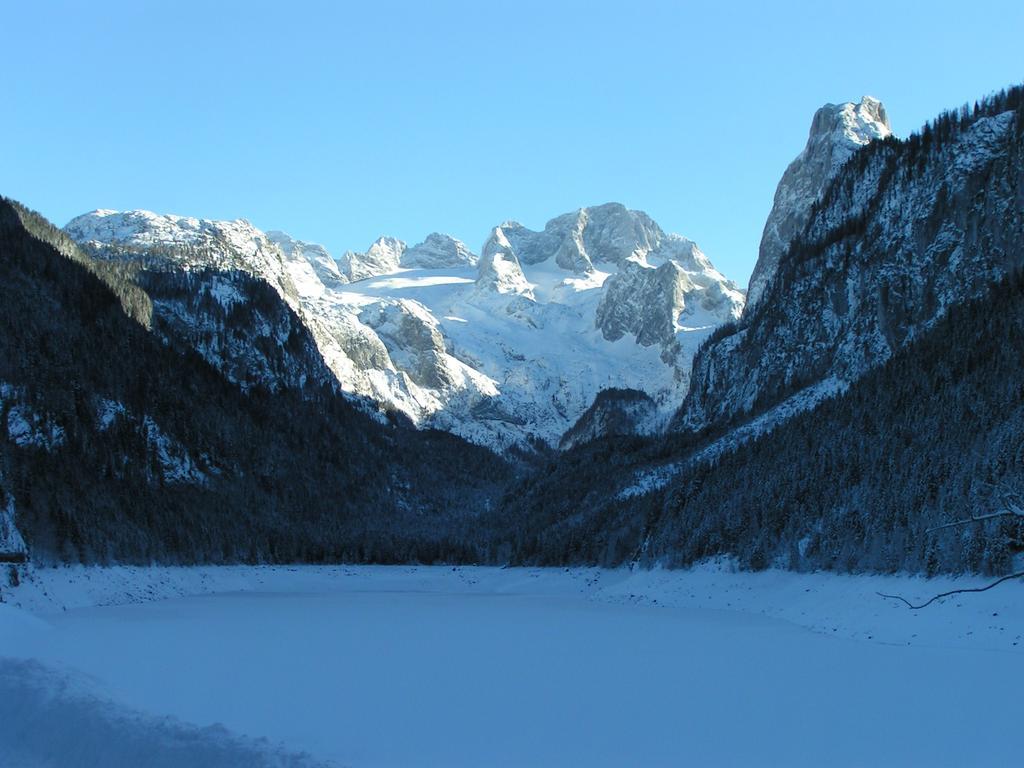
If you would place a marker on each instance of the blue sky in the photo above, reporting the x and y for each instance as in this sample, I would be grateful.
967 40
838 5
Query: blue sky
338 122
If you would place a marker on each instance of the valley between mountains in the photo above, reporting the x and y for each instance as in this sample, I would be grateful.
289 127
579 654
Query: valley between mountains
511 385
182 390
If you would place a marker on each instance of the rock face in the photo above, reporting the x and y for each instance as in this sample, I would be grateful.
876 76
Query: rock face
414 342
645 302
388 254
837 131
302 258
382 257
504 349
499 270
438 252
656 303
905 231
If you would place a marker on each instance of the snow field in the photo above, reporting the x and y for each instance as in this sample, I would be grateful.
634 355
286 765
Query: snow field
425 666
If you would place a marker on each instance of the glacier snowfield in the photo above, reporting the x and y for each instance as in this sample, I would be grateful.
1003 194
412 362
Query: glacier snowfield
441 666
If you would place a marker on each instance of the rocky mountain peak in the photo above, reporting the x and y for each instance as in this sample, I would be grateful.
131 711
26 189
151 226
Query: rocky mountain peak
437 252
499 269
383 256
909 230
850 125
579 241
301 256
837 131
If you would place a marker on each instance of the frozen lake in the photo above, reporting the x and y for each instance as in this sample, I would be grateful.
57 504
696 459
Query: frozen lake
482 667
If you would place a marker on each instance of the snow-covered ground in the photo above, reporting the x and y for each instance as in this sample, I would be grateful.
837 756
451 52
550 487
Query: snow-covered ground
435 666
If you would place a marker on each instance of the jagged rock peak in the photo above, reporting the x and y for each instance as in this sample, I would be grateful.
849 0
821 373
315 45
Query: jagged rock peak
642 301
499 270
856 124
577 241
899 238
383 256
316 256
437 252
837 131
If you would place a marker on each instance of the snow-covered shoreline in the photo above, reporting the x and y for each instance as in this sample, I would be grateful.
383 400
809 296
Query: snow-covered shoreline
846 606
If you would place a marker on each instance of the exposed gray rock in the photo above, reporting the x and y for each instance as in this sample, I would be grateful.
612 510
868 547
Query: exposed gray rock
837 131
499 270
644 302
413 340
382 257
438 251
300 253
360 344
655 303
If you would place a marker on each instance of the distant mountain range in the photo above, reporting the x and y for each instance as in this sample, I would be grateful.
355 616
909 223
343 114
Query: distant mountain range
505 349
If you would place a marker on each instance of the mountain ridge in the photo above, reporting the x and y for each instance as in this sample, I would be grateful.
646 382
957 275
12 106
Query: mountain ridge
475 345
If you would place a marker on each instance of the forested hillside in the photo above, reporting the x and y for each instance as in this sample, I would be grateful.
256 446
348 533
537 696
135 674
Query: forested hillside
120 443
906 230
934 435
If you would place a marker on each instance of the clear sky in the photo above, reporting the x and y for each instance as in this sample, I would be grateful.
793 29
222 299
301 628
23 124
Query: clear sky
338 122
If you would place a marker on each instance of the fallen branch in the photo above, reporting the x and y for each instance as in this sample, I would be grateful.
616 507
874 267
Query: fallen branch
987 587
1012 512
1013 506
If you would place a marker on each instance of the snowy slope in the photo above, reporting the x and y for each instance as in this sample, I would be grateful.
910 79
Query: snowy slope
501 349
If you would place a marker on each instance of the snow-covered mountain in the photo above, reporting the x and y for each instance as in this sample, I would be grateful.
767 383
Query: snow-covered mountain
901 233
503 348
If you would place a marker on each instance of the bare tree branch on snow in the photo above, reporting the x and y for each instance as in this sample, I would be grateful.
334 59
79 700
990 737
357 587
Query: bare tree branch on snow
1013 506
925 604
